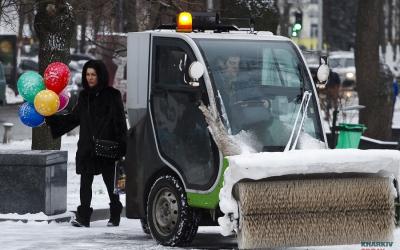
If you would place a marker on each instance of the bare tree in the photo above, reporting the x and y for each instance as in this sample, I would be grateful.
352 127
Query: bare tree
130 15
390 21
143 10
284 19
54 23
7 10
225 142
373 93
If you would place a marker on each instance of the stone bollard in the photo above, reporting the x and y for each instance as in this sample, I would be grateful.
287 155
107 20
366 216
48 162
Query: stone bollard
7 132
33 181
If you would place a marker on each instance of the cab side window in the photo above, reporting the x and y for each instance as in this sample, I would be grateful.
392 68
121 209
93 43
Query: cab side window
171 66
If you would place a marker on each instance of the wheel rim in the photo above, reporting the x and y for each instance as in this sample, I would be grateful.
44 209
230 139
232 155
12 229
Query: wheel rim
165 211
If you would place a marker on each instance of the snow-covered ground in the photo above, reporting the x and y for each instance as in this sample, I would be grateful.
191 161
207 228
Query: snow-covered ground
41 235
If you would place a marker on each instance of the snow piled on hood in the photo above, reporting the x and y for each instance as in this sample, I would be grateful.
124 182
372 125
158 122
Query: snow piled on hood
268 164
247 142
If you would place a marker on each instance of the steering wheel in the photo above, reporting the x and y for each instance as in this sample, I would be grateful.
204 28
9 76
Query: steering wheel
247 114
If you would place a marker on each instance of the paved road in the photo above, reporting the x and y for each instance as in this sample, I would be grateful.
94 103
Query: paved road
205 239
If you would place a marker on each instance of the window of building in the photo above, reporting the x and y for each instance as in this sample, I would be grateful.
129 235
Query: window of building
314 30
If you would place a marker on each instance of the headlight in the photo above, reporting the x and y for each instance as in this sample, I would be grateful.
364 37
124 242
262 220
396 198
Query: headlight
350 75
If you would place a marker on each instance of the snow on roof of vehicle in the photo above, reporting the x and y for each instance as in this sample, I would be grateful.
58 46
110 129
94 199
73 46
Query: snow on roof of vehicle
341 54
210 26
257 35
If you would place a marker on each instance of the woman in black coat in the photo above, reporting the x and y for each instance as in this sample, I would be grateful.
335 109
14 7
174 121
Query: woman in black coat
100 114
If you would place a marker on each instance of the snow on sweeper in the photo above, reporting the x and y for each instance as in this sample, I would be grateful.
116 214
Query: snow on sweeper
277 184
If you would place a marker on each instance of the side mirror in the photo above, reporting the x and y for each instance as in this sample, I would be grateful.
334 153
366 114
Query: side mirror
196 70
323 71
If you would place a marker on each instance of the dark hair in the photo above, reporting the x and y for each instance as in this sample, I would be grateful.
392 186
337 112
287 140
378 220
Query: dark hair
101 71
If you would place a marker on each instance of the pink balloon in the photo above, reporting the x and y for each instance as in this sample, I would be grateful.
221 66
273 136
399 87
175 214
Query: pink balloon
64 100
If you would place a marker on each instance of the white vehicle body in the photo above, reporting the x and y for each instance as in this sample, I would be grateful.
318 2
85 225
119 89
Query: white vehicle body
175 170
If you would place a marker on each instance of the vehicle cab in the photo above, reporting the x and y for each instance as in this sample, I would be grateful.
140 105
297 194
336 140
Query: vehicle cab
253 81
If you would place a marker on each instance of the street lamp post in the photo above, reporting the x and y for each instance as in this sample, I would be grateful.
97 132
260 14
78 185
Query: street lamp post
320 26
210 5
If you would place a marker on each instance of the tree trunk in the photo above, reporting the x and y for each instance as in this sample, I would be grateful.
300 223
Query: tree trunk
143 10
382 29
54 22
372 91
284 19
21 20
339 25
398 23
130 15
82 44
390 22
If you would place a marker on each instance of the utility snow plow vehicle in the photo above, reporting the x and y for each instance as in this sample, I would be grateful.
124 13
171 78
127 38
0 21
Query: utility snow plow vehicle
289 190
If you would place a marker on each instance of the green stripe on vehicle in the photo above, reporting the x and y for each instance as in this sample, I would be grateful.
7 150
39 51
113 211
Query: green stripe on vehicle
209 200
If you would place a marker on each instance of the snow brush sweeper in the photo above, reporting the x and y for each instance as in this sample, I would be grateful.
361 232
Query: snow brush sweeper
194 94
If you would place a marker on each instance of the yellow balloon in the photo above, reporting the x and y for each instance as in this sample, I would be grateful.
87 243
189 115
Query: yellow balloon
46 102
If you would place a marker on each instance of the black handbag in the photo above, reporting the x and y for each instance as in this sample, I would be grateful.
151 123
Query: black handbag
106 148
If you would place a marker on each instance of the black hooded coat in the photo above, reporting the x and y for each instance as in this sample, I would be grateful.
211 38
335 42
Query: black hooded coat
100 113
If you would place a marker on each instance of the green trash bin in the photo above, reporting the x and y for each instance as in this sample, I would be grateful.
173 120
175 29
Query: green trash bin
349 135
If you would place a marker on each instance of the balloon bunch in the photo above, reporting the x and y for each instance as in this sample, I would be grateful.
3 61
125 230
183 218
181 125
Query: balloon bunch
44 96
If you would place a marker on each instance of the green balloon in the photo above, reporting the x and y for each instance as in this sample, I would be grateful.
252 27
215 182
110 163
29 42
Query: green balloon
29 84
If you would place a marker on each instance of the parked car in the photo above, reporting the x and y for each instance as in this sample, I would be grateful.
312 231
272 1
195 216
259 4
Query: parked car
342 62
2 85
27 64
81 57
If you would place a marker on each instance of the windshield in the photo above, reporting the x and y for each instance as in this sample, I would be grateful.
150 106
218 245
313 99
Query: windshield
341 62
260 84
349 62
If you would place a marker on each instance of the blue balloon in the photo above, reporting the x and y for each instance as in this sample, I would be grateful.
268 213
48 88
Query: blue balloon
29 116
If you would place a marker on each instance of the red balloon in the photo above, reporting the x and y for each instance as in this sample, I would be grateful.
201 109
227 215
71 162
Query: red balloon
56 76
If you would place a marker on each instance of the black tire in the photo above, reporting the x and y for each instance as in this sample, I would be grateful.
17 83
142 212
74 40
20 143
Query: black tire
145 226
171 221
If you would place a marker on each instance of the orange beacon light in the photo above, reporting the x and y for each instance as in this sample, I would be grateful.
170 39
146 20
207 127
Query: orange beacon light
184 22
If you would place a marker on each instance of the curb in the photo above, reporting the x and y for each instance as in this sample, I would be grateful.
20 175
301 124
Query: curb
98 214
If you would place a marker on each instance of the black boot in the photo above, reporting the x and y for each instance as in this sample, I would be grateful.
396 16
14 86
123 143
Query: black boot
115 214
82 218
